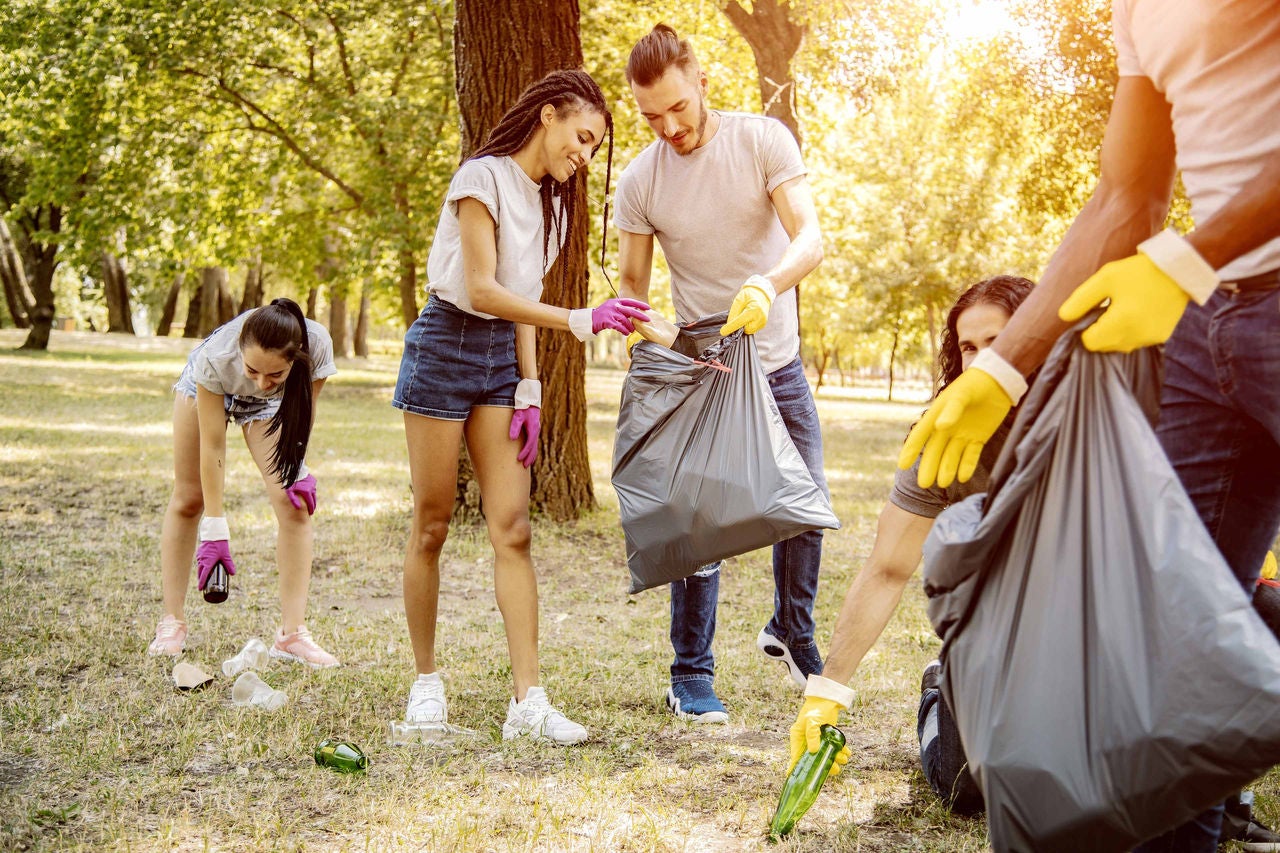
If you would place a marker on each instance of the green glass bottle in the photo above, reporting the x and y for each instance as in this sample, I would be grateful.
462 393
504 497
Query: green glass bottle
341 756
805 782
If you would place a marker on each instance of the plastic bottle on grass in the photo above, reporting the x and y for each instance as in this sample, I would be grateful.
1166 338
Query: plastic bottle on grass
805 781
254 655
340 755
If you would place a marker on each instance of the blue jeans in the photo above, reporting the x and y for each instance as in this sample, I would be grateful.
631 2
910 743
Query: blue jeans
795 560
1220 428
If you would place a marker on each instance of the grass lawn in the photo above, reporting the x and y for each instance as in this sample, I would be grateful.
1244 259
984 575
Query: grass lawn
98 750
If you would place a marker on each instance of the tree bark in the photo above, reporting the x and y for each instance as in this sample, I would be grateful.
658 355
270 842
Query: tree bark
362 325
312 296
170 306
206 317
17 293
115 289
774 37
191 326
253 284
338 320
41 261
499 49
226 302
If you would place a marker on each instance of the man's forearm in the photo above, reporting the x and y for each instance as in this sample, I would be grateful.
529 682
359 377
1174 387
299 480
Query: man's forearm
802 257
1109 228
1249 219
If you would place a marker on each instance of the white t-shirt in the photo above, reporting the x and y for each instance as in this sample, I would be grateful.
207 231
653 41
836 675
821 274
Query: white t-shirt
218 366
515 203
711 213
1217 62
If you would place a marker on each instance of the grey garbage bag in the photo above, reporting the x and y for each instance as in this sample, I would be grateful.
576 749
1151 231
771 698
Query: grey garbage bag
1108 675
702 463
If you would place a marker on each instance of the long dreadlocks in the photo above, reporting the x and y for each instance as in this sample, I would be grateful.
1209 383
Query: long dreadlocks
566 91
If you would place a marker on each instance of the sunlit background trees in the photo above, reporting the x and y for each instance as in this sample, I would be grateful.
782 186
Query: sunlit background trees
165 164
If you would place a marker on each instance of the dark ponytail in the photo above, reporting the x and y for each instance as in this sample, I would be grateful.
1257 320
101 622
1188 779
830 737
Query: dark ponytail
281 327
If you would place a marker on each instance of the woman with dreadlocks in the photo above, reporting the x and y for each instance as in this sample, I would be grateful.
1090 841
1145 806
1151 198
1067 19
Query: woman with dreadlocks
263 371
469 372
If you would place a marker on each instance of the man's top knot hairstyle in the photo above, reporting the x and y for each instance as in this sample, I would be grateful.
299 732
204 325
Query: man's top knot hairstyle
660 49
569 91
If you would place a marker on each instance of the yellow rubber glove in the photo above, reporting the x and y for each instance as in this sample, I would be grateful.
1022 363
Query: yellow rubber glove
955 428
1268 567
823 702
1148 293
750 309
633 339
1145 306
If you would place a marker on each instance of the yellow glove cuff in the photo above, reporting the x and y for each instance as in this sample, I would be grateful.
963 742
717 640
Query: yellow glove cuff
1004 373
763 285
1179 260
818 687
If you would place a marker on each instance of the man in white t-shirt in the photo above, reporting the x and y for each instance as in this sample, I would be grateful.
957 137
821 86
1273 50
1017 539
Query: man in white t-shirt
1199 92
726 197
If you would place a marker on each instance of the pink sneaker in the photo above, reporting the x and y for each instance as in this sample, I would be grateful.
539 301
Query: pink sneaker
171 636
299 647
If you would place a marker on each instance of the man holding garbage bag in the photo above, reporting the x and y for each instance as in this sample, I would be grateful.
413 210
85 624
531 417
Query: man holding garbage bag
726 197
1198 91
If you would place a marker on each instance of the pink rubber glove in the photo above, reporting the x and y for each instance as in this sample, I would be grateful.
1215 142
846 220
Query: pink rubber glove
208 555
530 421
303 492
617 314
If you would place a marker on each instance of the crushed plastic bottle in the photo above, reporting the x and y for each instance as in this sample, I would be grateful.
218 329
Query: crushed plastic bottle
251 691
254 655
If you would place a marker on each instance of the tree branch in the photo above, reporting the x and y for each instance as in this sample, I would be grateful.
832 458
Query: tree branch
274 128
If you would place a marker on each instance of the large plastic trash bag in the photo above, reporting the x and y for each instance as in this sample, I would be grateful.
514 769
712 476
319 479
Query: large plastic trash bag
1107 672
702 463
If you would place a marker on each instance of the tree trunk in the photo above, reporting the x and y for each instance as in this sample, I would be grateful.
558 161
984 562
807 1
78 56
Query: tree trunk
253 284
211 283
893 355
191 326
499 48
312 295
774 39
226 302
170 306
13 275
408 260
115 288
41 261
362 325
338 320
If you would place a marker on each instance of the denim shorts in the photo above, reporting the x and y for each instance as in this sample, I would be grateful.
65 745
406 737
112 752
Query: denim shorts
240 410
454 361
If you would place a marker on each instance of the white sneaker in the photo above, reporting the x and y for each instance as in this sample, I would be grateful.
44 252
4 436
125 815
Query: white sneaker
537 718
426 701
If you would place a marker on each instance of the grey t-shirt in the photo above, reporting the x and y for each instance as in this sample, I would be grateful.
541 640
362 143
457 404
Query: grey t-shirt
218 366
930 502
711 213
514 201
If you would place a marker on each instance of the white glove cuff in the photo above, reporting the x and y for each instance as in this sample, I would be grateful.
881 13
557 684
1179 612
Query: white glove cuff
1004 373
825 688
528 393
762 284
214 530
580 323
1179 260
303 473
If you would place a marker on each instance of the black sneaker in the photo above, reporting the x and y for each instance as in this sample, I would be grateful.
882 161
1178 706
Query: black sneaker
932 673
1248 834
